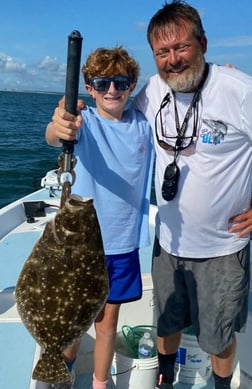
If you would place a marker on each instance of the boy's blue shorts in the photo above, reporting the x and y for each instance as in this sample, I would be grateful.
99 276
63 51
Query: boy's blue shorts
125 282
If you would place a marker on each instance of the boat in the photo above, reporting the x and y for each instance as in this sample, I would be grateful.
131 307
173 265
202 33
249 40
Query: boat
21 224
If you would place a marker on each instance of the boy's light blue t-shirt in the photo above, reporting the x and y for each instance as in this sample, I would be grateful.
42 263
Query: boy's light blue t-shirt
114 167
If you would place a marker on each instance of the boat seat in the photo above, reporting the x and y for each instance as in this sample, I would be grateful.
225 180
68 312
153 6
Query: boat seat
15 249
18 349
17 344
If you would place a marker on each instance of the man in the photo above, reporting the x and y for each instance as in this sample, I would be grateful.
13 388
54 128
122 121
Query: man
202 120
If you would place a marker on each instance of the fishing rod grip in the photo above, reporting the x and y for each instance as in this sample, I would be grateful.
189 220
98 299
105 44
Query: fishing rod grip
73 71
72 80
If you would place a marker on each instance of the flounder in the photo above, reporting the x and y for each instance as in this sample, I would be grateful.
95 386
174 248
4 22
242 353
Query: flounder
63 285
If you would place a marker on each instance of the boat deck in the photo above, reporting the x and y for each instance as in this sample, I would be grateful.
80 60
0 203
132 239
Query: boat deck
19 349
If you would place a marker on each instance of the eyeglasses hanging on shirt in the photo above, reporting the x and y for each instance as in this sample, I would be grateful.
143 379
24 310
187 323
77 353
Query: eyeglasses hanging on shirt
182 142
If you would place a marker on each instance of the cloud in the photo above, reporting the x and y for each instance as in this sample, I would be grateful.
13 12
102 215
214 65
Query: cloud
237 41
46 74
10 65
48 63
50 73
141 26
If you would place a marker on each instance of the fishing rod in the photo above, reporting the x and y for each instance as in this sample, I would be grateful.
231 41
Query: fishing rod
67 160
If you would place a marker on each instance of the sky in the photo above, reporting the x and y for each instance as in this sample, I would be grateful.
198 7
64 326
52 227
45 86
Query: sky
34 36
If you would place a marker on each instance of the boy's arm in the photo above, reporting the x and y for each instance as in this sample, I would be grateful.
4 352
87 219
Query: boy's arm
63 125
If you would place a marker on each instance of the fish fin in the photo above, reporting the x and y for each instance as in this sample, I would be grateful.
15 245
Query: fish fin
51 368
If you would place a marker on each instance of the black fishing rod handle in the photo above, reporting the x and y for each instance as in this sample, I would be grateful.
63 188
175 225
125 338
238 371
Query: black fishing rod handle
73 71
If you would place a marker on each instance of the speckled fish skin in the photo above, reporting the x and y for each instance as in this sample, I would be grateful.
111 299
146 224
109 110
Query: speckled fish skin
63 285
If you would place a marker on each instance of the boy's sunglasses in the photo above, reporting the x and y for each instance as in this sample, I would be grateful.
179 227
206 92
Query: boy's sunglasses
102 84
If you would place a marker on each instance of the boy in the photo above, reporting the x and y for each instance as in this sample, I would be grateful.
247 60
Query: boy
115 160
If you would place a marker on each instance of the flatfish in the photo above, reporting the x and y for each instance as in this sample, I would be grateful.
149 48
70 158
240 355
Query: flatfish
63 285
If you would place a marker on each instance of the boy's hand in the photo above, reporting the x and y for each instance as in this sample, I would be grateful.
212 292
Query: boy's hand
241 224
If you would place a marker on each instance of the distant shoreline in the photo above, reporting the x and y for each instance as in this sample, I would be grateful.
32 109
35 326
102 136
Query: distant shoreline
39 92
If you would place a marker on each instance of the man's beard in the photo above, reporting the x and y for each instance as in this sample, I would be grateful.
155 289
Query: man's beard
188 81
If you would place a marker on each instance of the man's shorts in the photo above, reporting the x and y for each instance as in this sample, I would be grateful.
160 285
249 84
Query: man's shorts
209 294
125 282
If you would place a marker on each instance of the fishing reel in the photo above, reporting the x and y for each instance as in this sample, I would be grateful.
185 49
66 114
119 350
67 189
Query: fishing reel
67 161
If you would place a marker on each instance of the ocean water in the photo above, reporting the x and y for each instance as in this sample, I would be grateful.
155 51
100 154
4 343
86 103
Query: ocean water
25 156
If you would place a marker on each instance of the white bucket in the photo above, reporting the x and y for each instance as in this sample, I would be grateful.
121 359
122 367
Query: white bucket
193 364
132 373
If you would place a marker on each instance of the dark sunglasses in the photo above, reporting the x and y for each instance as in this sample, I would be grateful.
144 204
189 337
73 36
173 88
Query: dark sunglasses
179 142
102 84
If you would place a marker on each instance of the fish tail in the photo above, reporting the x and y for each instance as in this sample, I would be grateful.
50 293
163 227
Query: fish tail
51 368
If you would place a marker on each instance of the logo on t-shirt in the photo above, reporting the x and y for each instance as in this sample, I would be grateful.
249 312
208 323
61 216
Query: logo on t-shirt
215 132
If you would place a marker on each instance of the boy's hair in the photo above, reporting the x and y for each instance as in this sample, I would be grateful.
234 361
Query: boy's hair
176 13
110 62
